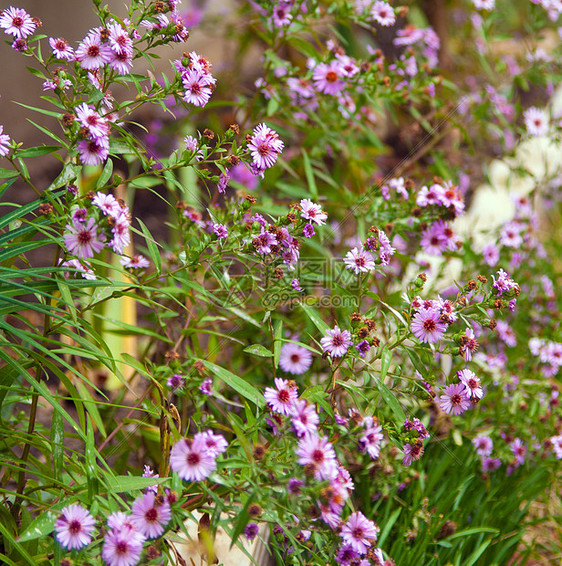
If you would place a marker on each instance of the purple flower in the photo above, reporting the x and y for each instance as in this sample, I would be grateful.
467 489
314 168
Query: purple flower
97 125
327 78
151 514
220 230
17 22
263 242
294 486
383 13
503 283
317 452
136 262
4 141
483 445
283 397
294 359
251 531
93 151
206 387
359 532
519 451
122 545
92 54
82 239
336 342
176 381
215 443
312 212
61 48
363 347
490 464
198 86
264 146
308 231
371 440
454 399
473 387
491 254
427 326
359 260
148 473
192 460
304 417
74 527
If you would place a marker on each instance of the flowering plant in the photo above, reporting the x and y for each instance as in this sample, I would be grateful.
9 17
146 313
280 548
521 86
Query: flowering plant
320 348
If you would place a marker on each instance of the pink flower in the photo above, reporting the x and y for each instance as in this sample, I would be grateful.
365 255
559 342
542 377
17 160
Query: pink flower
97 125
61 48
149 515
4 141
371 440
359 260
312 212
215 443
536 121
454 399
17 22
122 544
359 532
294 359
192 460
94 151
264 146
317 452
383 13
304 417
198 86
92 54
491 254
136 262
74 527
471 382
82 239
283 397
427 326
327 77
336 342
483 445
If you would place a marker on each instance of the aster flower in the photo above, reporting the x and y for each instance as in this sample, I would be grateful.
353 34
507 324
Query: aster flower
215 443
295 486
304 417
17 22
121 235
192 460
4 141
198 86
122 546
92 54
427 326
264 146
386 251
454 399
383 13
93 151
61 48
412 452
149 473
294 359
371 440
519 450
484 4
536 121
206 387
556 442
263 242
176 381
81 267
327 78
74 527
433 240
82 239
151 514
90 119
359 532
119 40
363 347
359 260
138 261
491 254
490 464
503 283
283 397
336 342
220 230
506 333
471 383
347 555
483 445
312 212
318 453
251 531
191 144
469 344
121 63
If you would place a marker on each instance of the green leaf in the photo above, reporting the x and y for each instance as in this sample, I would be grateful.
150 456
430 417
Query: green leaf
151 245
105 174
277 342
122 484
237 383
242 520
258 350
312 314
38 150
40 110
309 175
43 525
57 442
386 358
7 173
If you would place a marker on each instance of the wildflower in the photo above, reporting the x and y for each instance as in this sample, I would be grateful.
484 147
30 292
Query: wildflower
215 443
427 326
192 460
61 48
119 40
312 212
263 242
536 121
471 382
469 344
490 464
82 240
120 230
303 417
148 473
363 347
371 440
317 452
138 261
383 13
327 78
198 86
74 527
251 531
122 546
92 54
206 387
17 22
294 486
386 250
308 231
519 451
151 514
484 4
93 151
433 239
176 381
220 230
83 268
294 359
556 442
121 63
359 532
491 254
191 144
359 260
483 445
264 146
347 555
90 119
4 141
336 342
412 452
454 399
283 397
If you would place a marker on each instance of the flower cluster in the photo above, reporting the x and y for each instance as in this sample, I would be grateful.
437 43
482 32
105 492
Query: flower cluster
196 78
